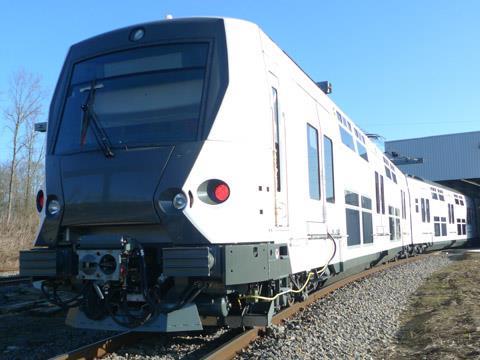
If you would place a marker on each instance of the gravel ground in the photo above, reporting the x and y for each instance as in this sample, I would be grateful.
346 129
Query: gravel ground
355 322
165 347
39 331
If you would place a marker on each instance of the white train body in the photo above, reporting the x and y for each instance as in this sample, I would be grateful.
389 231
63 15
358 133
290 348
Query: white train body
240 150
305 194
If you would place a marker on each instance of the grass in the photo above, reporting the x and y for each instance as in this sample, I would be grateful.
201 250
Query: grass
443 319
18 235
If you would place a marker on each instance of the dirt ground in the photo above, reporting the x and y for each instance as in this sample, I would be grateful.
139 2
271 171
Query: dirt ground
443 320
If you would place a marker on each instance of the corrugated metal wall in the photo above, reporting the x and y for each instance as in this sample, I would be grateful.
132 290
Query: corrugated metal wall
445 157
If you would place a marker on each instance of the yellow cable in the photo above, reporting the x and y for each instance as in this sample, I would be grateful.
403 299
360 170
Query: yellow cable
319 273
258 297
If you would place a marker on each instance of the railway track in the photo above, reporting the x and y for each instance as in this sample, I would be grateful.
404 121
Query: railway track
234 345
14 280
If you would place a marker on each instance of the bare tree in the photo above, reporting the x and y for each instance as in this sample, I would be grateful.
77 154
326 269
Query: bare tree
33 159
25 97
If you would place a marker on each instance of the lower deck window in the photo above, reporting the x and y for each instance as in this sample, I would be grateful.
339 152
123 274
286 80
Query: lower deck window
367 227
353 227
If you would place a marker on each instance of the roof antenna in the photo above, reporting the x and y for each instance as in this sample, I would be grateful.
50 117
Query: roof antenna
168 17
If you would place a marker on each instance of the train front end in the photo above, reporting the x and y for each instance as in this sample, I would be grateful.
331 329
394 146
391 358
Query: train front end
128 119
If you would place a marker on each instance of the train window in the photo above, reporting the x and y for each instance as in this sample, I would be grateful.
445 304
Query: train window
351 198
349 126
394 177
402 198
347 138
443 222
416 206
367 227
469 215
366 203
391 210
441 197
382 194
398 230
377 193
461 202
423 209
391 222
451 215
339 117
427 209
436 228
387 172
362 151
457 202
434 196
459 229
313 166
276 134
353 227
135 97
328 163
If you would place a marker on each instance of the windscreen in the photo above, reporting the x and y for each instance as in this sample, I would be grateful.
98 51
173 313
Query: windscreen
144 97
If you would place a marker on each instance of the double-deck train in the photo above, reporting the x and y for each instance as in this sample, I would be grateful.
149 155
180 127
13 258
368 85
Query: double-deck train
196 176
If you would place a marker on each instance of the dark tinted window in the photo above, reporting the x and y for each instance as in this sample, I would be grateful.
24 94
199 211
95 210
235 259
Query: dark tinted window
367 227
328 163
391 223
313 167
351 198
366 203
423 209
353 227
444 229
142 97
382 194
394 177
398 230
387 172
427 209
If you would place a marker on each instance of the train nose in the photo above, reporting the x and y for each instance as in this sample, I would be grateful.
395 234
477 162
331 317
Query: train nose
117 190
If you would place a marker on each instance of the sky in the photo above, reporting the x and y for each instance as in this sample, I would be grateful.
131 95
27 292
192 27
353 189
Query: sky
400 69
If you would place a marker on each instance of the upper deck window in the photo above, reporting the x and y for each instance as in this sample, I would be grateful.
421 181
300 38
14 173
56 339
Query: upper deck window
347 138
362 151
142 97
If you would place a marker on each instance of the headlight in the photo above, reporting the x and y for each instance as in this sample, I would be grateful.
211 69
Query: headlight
53 207
179 201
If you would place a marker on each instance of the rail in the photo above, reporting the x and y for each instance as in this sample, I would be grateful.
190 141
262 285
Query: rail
235 345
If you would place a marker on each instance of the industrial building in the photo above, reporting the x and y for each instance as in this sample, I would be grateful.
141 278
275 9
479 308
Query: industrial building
452 160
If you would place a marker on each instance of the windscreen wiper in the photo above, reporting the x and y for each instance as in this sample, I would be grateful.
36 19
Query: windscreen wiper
99 132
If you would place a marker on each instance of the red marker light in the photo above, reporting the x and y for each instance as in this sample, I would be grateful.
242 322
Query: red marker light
40 200
221 192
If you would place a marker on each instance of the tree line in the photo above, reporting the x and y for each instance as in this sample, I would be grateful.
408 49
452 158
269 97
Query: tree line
21 164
